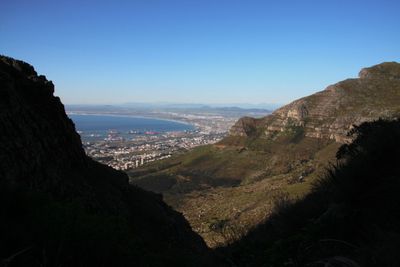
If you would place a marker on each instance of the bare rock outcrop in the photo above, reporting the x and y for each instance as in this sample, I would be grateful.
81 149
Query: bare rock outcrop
245 126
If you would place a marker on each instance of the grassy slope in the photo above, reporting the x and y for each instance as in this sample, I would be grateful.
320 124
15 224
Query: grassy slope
234 187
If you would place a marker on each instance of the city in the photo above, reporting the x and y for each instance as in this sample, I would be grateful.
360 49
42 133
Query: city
131 149
124 154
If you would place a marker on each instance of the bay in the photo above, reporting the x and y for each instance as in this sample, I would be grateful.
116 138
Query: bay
98 127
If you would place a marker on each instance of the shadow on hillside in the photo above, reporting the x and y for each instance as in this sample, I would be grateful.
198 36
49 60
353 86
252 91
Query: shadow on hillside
350 218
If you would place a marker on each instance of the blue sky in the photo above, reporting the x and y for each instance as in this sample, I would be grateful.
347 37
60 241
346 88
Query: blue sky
203 51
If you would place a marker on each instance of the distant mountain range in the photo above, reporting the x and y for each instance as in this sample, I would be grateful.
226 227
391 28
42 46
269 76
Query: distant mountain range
166 111
166 105
173 107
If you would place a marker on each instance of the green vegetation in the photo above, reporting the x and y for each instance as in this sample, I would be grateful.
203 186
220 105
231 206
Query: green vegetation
350 218
199 182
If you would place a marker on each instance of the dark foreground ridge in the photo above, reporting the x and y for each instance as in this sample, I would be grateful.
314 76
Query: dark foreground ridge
60 208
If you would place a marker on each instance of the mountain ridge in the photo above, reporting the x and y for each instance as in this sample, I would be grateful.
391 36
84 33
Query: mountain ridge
328 105
282 153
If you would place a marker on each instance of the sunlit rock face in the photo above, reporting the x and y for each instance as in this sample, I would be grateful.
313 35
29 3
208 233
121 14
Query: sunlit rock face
245 126
331 113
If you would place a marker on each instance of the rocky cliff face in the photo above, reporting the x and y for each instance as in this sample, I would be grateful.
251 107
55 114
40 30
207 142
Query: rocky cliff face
331 113
44 172
245 126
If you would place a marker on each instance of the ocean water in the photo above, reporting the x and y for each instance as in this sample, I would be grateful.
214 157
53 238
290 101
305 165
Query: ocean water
100 127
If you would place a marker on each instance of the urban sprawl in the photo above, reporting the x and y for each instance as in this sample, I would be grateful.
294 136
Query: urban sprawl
130 150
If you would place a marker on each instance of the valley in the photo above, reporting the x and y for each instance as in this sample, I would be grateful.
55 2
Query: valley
234 182
299 176
200 133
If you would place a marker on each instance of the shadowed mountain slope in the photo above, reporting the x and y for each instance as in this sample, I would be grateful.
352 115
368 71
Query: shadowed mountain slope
350 217
60 208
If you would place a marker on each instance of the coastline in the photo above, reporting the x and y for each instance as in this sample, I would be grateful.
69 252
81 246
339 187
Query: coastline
130 116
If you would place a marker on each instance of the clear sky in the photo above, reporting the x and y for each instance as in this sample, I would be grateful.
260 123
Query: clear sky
198 51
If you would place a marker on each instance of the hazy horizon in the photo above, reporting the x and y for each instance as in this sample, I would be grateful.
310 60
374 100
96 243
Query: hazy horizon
198 51
184 104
